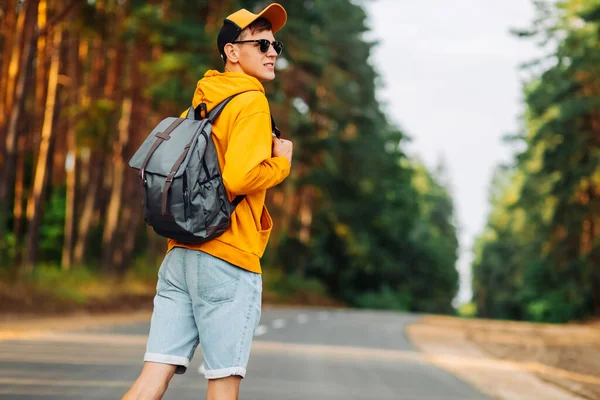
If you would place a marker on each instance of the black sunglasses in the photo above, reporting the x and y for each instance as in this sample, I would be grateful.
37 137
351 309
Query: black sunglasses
264 44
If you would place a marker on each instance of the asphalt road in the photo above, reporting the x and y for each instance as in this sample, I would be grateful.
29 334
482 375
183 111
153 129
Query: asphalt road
297 354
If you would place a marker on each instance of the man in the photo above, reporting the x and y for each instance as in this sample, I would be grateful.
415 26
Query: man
210 294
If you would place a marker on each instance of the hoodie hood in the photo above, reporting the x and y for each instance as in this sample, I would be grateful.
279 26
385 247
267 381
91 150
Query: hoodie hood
216 86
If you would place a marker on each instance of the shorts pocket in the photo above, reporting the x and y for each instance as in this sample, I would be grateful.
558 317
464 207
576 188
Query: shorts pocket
217 279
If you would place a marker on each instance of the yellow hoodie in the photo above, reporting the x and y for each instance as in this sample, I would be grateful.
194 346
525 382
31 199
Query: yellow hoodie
243 140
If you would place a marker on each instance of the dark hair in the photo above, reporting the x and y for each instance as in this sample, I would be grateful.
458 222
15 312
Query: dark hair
260 25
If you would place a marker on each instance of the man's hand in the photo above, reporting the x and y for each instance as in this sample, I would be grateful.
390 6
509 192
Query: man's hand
283 148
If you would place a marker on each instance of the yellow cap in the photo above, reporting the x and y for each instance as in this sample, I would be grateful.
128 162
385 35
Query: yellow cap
239 20
274 13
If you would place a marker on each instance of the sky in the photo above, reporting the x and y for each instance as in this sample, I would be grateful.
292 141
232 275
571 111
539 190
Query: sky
450 80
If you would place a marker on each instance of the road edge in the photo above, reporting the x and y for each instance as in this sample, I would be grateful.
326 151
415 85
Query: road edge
506 383
18 327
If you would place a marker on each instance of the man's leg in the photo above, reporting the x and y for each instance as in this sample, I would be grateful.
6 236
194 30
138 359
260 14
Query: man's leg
224 388
152 382
173 335
227 309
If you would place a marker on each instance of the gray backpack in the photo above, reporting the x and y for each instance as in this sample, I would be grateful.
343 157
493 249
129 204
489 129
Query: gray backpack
183 193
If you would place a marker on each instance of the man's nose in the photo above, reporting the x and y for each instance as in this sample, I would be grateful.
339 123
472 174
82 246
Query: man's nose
271 52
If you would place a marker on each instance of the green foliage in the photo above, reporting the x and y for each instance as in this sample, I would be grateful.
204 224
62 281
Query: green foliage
385 299
52 227
375 240
94 124
539 254
50 289
142 268
8 251
294 284
186 51
293 288
65 285
467 310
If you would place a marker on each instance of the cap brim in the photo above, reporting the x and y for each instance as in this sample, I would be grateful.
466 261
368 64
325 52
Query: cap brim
276 15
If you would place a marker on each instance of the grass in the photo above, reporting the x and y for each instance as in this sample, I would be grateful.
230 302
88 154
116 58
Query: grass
467 310
51 290
294 289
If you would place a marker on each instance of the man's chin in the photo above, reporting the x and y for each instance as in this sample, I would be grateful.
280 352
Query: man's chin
267 77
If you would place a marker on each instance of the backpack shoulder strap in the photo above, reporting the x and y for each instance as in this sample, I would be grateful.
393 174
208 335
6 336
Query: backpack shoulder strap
276 130
212 116
214 113
238 199
196 114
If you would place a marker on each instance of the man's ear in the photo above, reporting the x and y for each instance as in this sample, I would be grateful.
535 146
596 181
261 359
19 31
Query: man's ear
231 52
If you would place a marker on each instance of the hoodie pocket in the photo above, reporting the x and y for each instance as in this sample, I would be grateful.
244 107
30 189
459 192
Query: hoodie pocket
266 225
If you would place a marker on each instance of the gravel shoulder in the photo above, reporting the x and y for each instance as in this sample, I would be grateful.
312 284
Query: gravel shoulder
509 360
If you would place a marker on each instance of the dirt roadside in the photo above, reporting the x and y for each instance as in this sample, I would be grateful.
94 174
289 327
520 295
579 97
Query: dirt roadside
15 326
515 360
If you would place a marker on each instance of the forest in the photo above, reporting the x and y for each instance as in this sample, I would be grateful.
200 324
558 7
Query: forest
83 82
538 258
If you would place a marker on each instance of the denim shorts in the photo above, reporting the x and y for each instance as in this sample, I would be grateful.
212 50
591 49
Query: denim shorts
201 299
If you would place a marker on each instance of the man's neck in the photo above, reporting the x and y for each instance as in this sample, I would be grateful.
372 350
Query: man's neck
233 68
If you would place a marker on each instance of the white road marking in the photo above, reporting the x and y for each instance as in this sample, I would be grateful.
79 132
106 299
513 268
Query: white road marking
63 382
323 316
278 323
260 330
302 318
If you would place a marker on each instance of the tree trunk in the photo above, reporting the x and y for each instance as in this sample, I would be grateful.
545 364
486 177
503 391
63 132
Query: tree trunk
41 67
97 67
111 256
92 159
85 219
8 168
24 30
119 75
19 185
71 158
8 45
132 216
306 214
34 207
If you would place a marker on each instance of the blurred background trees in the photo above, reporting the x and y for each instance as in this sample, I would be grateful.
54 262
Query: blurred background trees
539 256
83 82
